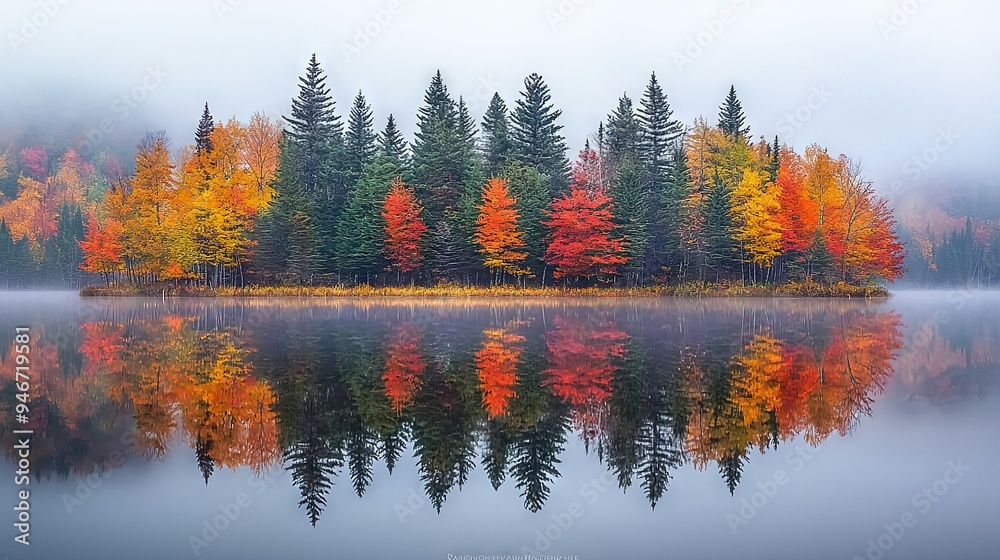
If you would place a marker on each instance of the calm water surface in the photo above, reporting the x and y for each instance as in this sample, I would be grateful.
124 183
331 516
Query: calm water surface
770 429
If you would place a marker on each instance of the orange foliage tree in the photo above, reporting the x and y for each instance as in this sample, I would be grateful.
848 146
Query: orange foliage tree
497 234
404 228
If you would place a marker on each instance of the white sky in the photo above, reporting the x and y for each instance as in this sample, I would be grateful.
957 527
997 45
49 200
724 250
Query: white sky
891 92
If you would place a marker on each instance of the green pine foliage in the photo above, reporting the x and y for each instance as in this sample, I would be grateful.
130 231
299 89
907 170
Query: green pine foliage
536 135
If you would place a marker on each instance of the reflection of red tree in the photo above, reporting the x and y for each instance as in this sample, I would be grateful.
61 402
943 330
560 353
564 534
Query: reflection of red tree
403 366
582 353
496 363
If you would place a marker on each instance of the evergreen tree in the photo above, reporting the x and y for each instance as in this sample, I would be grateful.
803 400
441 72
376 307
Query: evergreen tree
536 137
631 213
69 233
315 129
362 229
535 454
391 143
313 458
287 234
732 121
203 136
49 269
622 134
669 218
439 151
445 250
719 243
659 134
528 189
319 160
775 164
360 140
497 146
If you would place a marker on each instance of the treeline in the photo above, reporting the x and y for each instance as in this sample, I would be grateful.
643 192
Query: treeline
648 201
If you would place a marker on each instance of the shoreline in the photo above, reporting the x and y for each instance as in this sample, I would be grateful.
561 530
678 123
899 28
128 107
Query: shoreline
689 290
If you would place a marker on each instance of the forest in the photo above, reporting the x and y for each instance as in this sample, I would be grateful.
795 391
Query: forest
315 201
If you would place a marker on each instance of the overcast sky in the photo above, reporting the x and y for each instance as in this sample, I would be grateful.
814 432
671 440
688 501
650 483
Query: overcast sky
887 79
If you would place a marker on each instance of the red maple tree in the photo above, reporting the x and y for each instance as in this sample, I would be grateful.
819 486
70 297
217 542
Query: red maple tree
404 228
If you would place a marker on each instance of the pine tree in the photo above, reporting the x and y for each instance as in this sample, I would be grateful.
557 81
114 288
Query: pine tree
732 121
536 137
362 229
775 164
203 137
622 134
315 129
631 212
360 140
391 143
528 189
497 146
279 247
440 151
669 215
6 255
447 263
659 134
719 242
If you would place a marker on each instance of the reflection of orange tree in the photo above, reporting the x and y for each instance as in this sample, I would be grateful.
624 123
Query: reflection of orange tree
161 367
496 364
583 358
781 389
403 366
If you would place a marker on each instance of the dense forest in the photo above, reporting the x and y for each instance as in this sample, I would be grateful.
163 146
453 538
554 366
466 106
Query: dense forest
317 201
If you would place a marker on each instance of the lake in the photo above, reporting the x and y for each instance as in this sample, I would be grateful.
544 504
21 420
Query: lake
595 429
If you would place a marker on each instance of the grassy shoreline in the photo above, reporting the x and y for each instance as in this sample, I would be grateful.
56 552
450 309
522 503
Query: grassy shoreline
688 290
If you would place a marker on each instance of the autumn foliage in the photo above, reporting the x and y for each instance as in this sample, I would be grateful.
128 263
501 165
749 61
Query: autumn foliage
497 234
404 228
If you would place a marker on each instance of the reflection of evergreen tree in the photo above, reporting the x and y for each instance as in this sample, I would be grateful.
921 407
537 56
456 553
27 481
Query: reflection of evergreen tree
313 458
535 454
362 451
731 468
203 452
495 451
627 404
661 438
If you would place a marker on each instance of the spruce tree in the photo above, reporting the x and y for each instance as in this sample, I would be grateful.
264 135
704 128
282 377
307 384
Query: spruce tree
320 170
732 121
622 134
659 133
203 136
669 218
315 129
360 140
362 229
536 135
497 146
438 150
718 233
775 164
531 196
391 143
631 212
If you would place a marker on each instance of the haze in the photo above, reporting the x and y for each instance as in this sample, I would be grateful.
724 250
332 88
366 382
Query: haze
901 78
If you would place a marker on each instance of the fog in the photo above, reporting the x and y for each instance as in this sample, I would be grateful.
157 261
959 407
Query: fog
883 81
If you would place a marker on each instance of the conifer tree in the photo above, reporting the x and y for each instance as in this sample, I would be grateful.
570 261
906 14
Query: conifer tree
659 134
497 146
440 164
631 211
362 228
528 189
622 135
732 121
719 243
392 144
360 140
536 135
315 129
203 136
